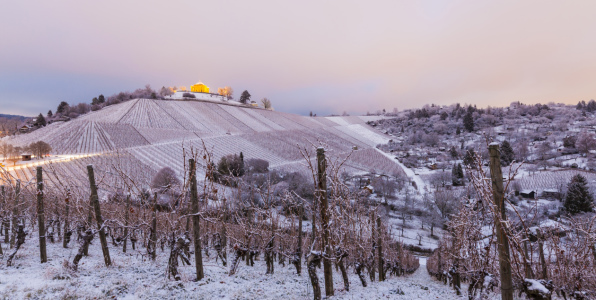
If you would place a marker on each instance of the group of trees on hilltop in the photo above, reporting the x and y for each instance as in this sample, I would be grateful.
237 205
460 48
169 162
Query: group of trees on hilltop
65 109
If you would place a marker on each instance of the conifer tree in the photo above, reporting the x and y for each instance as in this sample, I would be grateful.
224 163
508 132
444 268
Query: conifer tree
245 97
579 198
453 152
62 107
41 121
507 154
470 158
469 121
457 175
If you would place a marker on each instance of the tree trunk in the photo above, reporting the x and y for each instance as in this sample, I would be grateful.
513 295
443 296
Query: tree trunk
312 262
98 218
238 253
322 186
87 238
20 240
342 267
502 238
358 268
194 197
43 255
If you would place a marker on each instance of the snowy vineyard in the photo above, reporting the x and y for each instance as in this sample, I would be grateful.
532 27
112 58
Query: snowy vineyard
105 216
154 132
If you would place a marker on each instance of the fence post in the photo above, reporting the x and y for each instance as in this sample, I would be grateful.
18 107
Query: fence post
500 219
98 218
194 198
322 192
43 255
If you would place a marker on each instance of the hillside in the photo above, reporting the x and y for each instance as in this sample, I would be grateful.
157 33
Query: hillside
153 133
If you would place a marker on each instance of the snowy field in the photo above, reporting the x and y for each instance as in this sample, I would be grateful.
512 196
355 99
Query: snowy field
133 276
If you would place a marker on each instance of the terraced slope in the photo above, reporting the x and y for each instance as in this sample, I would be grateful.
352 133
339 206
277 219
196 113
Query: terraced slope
153 133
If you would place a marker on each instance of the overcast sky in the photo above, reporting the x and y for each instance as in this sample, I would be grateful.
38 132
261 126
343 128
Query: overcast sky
324 56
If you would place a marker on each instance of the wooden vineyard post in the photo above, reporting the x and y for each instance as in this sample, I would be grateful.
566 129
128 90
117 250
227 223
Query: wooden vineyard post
98 218
299 248
15 213
67 232
194 198
89 220
5 222
322 192
43 255
541 254
380 250
373 254
153 235
126 217
500 219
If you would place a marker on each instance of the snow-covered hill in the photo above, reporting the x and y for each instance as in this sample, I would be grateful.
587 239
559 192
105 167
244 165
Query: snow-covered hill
154 132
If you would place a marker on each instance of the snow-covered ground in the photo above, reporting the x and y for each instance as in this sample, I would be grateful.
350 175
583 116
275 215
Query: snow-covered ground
133 276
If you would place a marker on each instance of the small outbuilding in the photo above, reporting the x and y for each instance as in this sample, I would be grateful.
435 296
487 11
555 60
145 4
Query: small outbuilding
528 194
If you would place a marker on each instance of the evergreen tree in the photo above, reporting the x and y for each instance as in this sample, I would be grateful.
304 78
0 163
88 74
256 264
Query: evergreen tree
458 131
579 198
444 116
457 175
50 113
95 101
101 99
470 158
244 97
591 106
453 152
62 107
507 154
41 121
469 121
241 165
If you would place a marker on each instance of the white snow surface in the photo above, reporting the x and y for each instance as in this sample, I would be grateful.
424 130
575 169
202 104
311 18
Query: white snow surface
134 276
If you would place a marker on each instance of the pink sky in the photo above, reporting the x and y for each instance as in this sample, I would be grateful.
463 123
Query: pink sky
325 56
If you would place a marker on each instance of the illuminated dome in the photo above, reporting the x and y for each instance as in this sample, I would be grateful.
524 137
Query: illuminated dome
199 88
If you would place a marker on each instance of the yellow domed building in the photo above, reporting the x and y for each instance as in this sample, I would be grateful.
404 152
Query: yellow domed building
199 87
